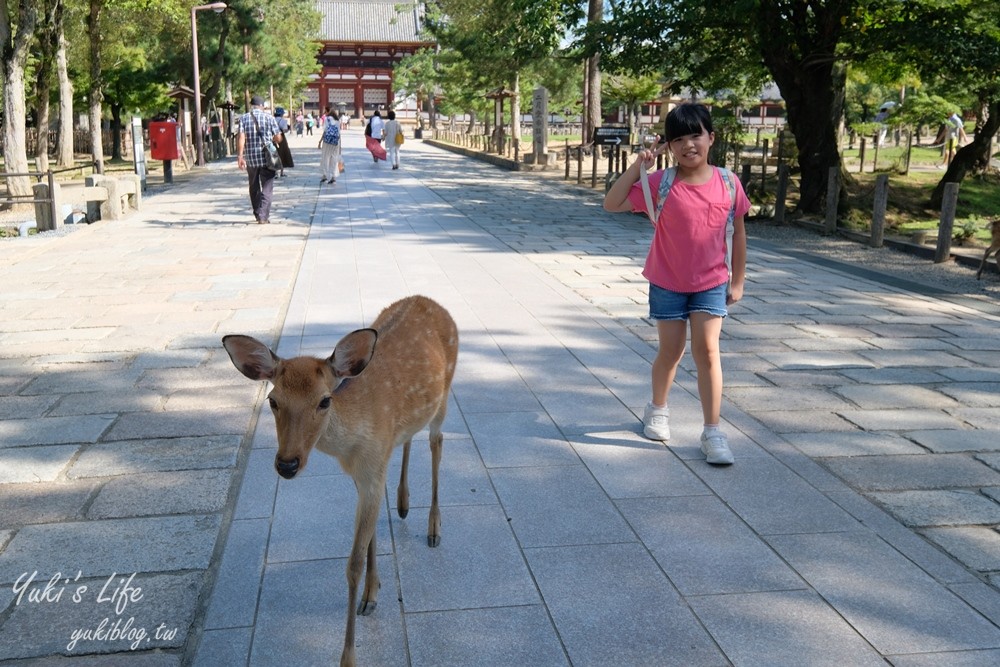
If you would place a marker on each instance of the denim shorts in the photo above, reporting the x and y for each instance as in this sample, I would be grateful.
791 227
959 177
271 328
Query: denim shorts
667 305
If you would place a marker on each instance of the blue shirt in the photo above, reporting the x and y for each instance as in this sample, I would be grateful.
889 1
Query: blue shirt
253 143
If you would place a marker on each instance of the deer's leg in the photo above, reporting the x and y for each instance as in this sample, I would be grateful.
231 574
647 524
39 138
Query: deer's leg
436 442
403 490
362 550
369 599
982 264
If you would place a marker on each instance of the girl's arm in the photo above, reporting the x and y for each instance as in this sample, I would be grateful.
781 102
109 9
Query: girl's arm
739 261
616 200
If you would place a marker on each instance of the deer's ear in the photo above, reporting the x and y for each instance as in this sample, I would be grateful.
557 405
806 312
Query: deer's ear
251 357
353 353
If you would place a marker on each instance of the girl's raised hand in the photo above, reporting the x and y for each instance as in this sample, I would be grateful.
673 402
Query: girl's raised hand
647 156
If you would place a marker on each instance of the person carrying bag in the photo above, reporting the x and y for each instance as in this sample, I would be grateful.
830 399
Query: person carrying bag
329 143
256 151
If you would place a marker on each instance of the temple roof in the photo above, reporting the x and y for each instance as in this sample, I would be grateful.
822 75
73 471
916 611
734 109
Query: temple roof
371 21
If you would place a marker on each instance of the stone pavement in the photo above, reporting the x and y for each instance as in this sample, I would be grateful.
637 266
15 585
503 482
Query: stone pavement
856 527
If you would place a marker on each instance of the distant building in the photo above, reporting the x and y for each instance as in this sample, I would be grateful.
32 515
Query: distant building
768 110
361 41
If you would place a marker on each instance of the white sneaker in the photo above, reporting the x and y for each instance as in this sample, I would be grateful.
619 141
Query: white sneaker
656 422
716 449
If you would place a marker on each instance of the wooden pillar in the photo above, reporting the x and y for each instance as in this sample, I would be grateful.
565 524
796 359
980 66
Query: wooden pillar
878 214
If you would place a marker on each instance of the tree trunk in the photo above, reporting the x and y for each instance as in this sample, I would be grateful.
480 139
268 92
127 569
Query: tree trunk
48 45
812 84
592 105
972 154
64 151
116 131
515 109
95 95
15 55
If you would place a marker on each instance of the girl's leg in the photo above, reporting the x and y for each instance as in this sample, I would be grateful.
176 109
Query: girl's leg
705 332
672 336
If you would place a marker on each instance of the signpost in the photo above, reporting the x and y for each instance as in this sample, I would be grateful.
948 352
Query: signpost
610 136
138 151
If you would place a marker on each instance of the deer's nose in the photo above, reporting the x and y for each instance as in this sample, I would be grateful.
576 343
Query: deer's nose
286 469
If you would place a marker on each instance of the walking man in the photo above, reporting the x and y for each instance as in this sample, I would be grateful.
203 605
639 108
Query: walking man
256 127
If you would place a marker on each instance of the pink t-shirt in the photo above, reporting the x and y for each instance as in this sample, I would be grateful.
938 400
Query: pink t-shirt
688 251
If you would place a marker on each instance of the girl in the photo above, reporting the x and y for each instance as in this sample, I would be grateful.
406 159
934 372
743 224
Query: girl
392 128
687 266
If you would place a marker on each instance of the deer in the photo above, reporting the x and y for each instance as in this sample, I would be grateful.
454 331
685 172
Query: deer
993 247
379 387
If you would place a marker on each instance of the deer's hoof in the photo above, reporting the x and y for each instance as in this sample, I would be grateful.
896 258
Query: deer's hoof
433 540
366 607
402 512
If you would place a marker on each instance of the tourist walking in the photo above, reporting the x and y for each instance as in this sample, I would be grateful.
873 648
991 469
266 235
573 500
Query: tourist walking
373 141
283 149
256 127
329 143
393 134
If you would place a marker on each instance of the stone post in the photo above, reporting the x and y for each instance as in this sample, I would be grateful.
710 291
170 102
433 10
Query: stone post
539 127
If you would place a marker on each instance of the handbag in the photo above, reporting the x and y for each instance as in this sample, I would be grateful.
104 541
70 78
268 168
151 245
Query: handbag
269 151
399 137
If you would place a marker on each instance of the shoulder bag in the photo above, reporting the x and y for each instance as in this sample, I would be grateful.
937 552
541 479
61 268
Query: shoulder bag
269 151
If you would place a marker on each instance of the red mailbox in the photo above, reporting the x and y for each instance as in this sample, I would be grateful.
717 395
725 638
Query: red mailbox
163 140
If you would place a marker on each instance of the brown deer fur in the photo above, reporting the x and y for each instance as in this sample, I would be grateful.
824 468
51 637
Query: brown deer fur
994 245
377 390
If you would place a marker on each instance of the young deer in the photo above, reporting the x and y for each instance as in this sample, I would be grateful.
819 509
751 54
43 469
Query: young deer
359 417
994 246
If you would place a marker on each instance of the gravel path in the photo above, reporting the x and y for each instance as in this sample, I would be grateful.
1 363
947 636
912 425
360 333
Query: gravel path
949 276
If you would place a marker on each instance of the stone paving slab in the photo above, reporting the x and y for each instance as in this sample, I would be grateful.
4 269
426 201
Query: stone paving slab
594 592
22 504
503 636
27 465
976 546
193 491
155 455
855 443
894 605
89 617
927 471
102 548
705 549
940 508
964 440
753 628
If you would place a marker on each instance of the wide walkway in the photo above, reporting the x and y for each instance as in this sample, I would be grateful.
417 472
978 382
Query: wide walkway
856 527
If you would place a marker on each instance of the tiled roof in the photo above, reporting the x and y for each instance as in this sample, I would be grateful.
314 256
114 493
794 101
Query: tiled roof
386 21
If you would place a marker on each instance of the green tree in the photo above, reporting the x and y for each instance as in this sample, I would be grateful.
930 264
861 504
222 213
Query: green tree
630 92
804 47
501 38
959 59
418 75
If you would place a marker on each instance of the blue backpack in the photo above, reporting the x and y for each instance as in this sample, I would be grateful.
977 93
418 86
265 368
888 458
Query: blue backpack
331 134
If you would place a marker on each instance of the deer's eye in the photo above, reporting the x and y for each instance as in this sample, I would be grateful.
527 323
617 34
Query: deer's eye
324 404
274 403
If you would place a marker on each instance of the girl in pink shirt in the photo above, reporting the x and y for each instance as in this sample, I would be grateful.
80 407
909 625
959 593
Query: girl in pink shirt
687 269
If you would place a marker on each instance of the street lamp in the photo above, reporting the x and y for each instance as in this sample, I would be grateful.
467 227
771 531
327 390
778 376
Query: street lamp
218 8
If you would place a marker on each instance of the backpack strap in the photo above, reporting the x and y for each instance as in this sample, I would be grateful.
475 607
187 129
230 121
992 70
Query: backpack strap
727 178
665 184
